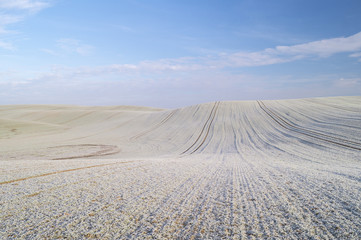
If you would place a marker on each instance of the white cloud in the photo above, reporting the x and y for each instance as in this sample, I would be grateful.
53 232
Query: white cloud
269 56
124 28
279 54
322 48
198 78
6 45
6 19
126 84
356 54
69 46
16 11
28 5
49 51
13 83
246 59
348 82
74 46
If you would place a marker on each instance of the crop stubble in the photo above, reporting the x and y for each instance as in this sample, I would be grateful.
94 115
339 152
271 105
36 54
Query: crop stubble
221 170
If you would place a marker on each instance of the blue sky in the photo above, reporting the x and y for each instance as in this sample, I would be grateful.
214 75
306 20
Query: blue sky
176 53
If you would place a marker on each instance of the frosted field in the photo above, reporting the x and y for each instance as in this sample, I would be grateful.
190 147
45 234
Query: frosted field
287 169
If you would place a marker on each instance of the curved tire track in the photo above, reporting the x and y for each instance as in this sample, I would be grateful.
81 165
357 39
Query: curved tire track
139 135
62 171
310 133
210 121
104 150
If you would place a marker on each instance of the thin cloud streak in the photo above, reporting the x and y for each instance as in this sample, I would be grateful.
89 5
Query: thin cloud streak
68 46
269 56
29 5
17 11
322 48
279 54
74 46
6 45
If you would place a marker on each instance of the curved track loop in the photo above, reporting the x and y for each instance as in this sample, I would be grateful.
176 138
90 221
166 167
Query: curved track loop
310 133
207 123
139 135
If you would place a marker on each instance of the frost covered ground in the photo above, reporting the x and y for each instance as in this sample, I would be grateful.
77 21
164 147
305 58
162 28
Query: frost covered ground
287 169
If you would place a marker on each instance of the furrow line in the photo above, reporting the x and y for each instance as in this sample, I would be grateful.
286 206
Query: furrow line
78 117
332 106
306 132
209 127
319 120
182 199
169 116
293 199
198 208
209 117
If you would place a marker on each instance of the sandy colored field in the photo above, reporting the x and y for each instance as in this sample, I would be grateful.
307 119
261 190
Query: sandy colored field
287 169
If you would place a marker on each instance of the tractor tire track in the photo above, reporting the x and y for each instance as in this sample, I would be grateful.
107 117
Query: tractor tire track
283 123
104 151
62 171
210 121
139 135
333 106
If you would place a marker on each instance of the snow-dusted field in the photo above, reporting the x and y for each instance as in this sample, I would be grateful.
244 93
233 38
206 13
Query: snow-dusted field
287 169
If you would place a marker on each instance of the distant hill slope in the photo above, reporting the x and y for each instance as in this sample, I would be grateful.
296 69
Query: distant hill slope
219 127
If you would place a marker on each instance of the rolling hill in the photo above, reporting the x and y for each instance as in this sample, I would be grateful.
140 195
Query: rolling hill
232 169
